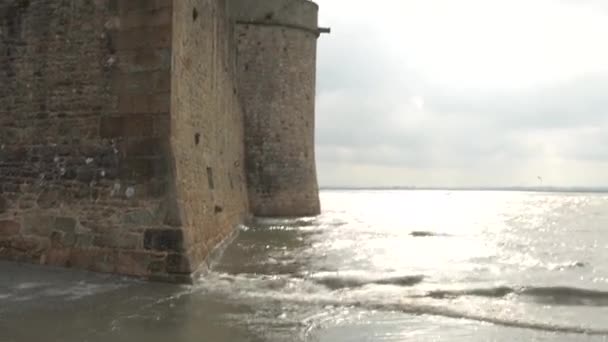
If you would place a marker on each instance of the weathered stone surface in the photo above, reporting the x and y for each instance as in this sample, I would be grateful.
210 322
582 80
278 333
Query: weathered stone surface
141 217
65 224
118 240
57 256
3 205
140 263
38 224
164 239
9 228
123 137
178 263
169 213
48 199
83 240
277 88
93 259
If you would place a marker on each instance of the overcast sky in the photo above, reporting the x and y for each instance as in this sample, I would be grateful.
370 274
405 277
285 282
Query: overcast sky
463 93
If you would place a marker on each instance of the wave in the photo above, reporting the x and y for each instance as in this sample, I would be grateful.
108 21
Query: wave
299 291
567 265
424 233
335 282
557 295
505 322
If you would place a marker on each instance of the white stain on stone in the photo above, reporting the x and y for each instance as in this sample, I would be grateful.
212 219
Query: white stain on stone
111 61
115 189
130 192
89 161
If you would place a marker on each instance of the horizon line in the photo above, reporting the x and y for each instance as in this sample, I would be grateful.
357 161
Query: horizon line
596 189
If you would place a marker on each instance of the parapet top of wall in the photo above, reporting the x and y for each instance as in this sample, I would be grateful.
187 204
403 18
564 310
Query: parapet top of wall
296 13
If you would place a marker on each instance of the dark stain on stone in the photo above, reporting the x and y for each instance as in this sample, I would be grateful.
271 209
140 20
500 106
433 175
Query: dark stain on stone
3 205
178 263
65 224
48 199
210 178
163 239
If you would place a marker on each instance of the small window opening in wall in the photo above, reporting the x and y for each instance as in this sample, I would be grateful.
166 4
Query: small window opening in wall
194 14
210 178
269 15
197 139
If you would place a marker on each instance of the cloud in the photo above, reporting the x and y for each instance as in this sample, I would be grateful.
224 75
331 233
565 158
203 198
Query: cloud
472 92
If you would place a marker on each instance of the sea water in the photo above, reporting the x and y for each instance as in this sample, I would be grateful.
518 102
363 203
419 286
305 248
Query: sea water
374 266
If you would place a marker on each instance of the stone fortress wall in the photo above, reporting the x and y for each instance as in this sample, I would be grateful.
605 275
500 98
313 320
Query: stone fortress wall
276 51
131 139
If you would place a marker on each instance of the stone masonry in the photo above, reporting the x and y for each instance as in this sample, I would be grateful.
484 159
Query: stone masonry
276 50
131 138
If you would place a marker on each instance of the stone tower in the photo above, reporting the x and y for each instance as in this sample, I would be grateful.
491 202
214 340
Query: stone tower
276 61
128 128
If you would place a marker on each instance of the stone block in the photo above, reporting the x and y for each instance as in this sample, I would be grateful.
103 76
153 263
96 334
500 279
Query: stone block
125 7
86 174
38 224
145 147
65 224
93 259
136 169
168 212
146 84
3 205
143 169
153 18
144 59
129 125
145 103
29 245
141 217
56 257
158 188
163 239
149 37
9 228
49 198
178 263
112 126
118 240
140 263
83 240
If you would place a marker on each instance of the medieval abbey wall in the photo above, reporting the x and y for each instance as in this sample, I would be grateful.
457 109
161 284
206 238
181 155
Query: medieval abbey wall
123 130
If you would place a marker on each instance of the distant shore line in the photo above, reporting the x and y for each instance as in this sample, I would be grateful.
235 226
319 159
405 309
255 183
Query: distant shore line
514 189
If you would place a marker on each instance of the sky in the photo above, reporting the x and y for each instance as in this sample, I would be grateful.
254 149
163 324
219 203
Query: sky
462 93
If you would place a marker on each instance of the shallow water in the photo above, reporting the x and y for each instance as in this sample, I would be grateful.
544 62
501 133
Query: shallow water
375 266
